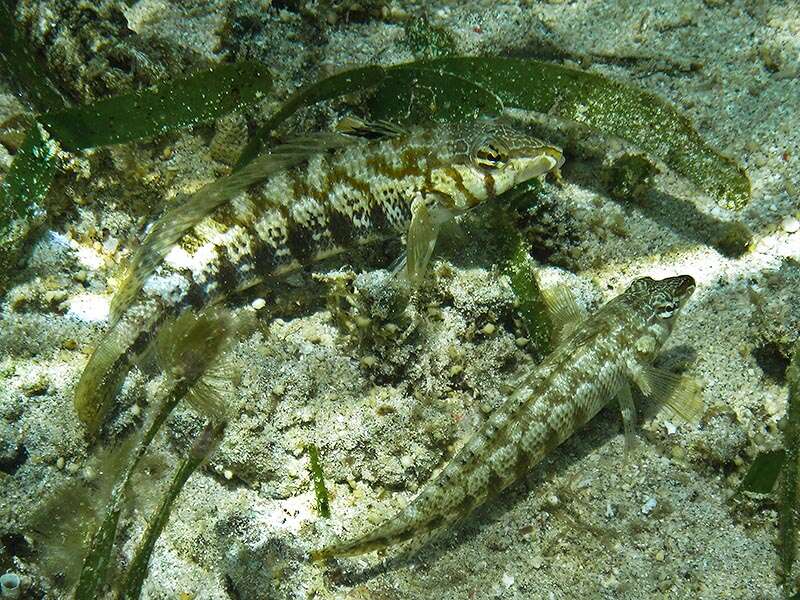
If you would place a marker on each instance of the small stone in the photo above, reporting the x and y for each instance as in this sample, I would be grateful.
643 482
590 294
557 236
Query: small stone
136 410
227 474
60 463
660 555
369 361
258 303
649 506
488 329
508 580
521 342
36 387
111 245
790 224
55 296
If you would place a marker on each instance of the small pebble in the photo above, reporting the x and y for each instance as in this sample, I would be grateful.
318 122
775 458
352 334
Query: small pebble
508 580
790 224
369 361
521 342
36 387
649 506
258 303
60 463
227 474
55 296
488 329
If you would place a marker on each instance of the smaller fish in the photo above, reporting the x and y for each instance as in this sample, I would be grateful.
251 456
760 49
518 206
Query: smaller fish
595 362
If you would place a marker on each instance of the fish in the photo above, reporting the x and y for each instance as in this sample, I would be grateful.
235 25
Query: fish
596 360
305 201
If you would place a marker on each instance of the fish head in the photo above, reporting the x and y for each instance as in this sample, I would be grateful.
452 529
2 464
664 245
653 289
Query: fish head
496 156
659 301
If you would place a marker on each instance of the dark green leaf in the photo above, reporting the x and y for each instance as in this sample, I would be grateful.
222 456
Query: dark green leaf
22 193
763 473
165 107
346 82
25 72
411 95
134 578
318 477
96 562
516 263
787 518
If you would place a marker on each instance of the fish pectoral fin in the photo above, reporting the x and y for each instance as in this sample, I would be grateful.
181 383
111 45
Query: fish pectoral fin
682 394
426 222
564 311
628 410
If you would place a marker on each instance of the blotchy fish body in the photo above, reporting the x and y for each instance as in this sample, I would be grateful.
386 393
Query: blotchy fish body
363 191
590 367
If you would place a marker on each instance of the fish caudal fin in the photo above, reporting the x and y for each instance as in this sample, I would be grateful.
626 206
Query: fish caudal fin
112 359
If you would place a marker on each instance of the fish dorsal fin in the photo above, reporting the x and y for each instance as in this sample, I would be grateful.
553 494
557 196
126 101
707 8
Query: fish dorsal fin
176 221
354 126
565 313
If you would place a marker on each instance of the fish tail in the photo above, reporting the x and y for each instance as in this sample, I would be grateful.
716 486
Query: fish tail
472 477
110 362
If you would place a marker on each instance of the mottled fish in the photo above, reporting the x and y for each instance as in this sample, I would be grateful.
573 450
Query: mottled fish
302 203
595 362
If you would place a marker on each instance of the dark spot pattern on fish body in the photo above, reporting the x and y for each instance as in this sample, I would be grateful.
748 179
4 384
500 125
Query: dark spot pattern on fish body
300 241
341 227
195 296
264 257
227 275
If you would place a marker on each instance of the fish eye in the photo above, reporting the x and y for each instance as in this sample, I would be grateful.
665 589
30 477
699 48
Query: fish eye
666 310
490 155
